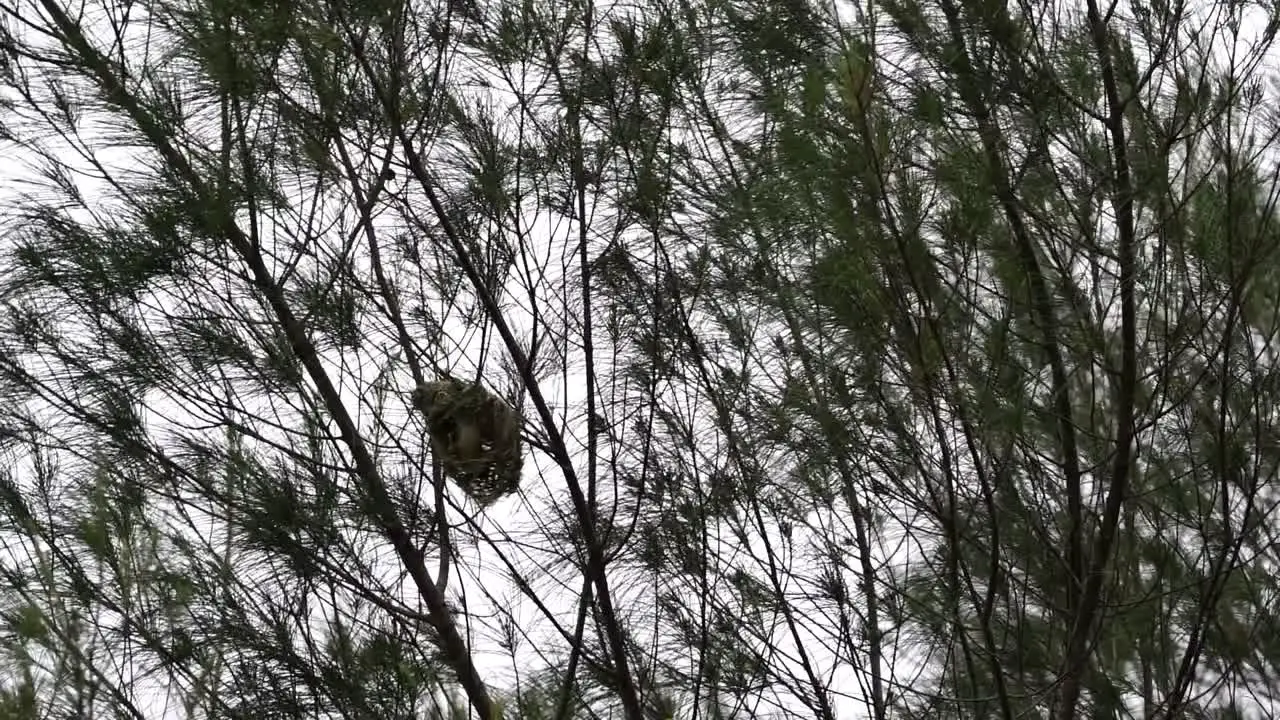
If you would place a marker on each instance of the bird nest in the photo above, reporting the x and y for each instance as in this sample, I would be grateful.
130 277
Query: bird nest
475 437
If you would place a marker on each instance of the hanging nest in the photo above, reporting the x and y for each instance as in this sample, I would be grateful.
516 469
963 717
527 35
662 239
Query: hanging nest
475 436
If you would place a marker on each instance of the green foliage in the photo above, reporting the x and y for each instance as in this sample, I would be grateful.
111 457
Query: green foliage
826 328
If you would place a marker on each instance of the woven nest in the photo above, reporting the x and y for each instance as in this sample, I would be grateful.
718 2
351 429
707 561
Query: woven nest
475 435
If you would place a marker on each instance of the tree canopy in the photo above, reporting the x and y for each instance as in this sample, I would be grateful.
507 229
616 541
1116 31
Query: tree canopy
902 359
